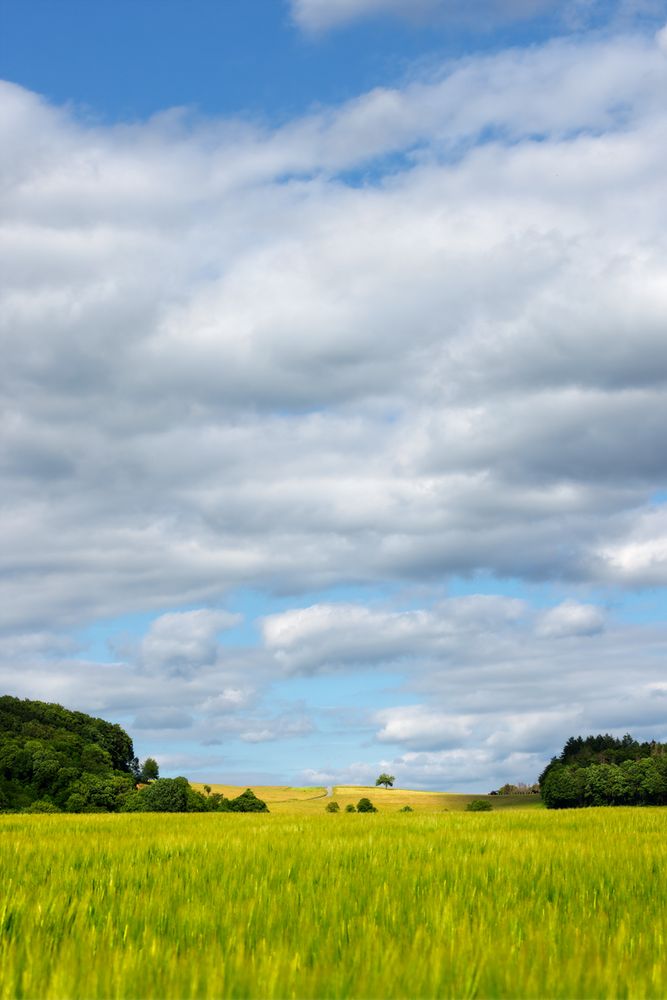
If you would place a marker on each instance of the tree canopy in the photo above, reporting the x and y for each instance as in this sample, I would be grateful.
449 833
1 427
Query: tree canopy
605 770
55 760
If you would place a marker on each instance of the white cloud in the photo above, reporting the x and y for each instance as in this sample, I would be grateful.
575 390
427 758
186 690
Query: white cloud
183 641
417 725
571 619
328 636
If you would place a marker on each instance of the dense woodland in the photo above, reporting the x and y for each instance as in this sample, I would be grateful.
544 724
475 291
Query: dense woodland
54 760
603 771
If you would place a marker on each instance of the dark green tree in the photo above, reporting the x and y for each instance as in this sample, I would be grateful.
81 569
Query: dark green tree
385 779
365 806
150 770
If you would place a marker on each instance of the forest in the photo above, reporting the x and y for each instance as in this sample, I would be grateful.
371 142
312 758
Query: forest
55 760
604 770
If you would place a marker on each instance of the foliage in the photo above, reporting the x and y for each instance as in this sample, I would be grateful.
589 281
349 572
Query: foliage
584 751
247 802
479 806
385 779
150 770
333 807
349 808
603 771
531 905
519 789
61 759
406 809
177 795
640 782
365 806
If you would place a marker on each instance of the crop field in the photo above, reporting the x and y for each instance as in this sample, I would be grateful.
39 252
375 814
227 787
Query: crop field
309 801
521 903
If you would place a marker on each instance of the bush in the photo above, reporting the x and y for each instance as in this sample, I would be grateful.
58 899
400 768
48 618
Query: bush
365 806
479 806
406 809
349 808
333 807
247 802
41 806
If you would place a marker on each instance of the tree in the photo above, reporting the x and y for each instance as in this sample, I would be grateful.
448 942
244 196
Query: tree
385 779
365 806
247 802
333 807
150 771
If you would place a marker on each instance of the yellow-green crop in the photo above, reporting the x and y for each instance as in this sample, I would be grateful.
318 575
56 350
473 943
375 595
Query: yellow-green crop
516 904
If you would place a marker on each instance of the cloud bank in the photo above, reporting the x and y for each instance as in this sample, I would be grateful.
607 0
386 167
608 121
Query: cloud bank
414 336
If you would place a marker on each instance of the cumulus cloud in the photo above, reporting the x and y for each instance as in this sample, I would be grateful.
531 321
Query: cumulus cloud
329 636
182 641
571 619
417 725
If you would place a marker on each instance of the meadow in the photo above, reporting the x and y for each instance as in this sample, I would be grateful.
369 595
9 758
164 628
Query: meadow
521 903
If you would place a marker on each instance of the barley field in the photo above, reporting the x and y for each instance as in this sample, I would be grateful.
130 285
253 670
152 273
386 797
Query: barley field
513 904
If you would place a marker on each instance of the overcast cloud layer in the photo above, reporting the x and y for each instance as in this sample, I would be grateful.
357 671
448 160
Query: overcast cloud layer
415 336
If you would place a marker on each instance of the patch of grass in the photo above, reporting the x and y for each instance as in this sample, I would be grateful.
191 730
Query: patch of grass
525 903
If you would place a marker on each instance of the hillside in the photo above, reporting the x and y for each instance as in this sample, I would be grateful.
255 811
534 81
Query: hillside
51 757
310 801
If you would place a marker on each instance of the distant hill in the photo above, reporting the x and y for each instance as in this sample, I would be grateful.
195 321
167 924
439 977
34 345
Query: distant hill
53 758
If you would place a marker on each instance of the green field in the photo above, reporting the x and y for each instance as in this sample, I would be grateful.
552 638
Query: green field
515 904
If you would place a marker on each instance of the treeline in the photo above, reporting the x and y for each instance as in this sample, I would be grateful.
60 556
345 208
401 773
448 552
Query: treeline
177 795
604 771
519 789
55 760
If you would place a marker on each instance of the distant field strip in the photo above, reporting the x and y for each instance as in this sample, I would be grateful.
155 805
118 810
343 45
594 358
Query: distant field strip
515 904
286 800
270 793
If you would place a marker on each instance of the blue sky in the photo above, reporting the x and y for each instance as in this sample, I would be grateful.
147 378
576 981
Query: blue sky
334 397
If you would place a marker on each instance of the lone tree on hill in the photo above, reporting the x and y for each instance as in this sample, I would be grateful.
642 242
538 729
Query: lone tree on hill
385 779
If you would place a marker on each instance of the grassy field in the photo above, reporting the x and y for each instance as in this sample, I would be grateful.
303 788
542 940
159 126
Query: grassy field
522 903
309 801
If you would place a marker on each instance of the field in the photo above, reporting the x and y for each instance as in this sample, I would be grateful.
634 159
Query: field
522 903
309 801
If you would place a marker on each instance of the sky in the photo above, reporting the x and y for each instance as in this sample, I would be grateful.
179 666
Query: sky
333 395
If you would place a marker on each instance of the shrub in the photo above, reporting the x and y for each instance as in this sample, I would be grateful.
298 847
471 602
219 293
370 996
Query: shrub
365 806
333 807
406 809
247 802
479 806
41 806
349 808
